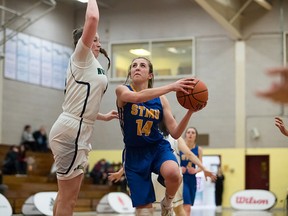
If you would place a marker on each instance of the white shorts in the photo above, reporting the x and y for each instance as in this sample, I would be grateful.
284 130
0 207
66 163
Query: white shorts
160 193
69 140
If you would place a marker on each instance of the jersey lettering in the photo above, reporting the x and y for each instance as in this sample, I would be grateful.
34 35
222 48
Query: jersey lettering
144 112
146 129
185 158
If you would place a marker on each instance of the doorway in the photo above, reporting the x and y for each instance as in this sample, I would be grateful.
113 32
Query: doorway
257 172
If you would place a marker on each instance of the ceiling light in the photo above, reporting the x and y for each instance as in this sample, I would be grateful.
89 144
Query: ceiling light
172 50
176 50
140 52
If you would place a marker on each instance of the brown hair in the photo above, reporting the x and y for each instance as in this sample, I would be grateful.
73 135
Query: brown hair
77 33
151 81
195 131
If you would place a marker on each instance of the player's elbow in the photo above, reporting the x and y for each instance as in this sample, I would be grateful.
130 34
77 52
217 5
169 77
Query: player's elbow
92 18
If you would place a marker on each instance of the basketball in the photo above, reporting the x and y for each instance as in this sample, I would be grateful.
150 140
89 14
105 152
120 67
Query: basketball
197 97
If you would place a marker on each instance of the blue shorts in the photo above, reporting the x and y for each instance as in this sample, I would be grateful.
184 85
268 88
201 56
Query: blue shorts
139 163
189 189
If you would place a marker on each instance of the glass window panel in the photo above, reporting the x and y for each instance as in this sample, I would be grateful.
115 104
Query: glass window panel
172 58
169 58
122 57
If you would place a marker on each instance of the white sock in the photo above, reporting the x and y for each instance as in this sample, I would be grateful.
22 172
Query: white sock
167 201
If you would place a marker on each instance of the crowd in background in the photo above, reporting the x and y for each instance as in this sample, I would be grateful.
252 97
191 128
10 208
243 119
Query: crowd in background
100 173
34 141
16 161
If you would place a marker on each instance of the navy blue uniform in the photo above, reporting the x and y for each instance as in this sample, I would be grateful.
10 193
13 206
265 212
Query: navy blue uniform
145 147
189 180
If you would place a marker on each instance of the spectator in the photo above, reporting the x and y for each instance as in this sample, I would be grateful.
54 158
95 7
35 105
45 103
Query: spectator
99 173
40 137
22 160
219 186
11 163
27 138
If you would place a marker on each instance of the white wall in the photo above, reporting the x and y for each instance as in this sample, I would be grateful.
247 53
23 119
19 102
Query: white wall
215 64
24 103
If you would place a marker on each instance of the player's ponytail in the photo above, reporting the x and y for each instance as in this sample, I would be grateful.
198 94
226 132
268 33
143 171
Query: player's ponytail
103 51
77 33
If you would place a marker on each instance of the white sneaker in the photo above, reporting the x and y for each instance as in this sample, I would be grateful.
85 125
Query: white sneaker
218 209
166 211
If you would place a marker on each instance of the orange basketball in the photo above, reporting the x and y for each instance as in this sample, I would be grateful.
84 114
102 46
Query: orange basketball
197 97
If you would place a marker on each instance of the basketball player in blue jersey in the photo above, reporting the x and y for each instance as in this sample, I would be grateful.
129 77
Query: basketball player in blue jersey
189 169
178 146
71 134
159 187
140 109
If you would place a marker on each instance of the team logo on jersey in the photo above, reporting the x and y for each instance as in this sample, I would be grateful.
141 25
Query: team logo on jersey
100 71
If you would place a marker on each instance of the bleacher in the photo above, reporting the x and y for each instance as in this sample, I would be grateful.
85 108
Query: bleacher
38 179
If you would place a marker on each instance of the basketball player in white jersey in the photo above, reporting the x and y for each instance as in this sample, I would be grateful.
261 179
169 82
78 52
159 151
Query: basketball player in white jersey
70 136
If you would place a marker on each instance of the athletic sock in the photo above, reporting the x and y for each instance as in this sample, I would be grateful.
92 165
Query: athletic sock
167 201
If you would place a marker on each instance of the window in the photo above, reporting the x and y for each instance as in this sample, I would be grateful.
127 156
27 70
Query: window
170 58
35 61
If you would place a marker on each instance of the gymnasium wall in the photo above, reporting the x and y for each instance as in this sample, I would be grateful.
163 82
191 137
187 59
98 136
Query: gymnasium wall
216 53
23 103
215 64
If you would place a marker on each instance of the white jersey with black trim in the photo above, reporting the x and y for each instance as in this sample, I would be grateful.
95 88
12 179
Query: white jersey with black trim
174 146
86 84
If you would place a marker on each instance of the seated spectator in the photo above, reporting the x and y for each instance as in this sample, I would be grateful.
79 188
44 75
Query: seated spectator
11 163
27 138
22 160
40 137
99 173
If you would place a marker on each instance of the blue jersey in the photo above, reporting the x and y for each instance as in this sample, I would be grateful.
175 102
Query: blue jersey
185 161
145 147
139 122
189 180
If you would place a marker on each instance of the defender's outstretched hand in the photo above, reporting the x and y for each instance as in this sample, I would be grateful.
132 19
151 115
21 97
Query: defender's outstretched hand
208 173
278 91
113 114
116 176
280 124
